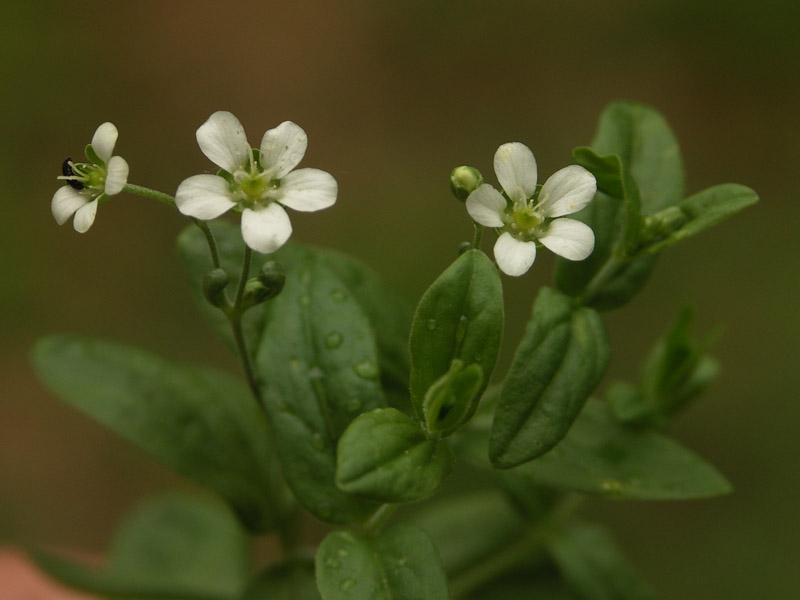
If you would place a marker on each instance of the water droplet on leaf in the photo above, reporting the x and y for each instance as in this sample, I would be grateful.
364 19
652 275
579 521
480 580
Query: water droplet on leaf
338 295
305 301
333 340
348 584
366 370
431 324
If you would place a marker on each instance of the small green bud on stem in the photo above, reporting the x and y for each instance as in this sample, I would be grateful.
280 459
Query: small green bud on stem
464 180
272 278
214 284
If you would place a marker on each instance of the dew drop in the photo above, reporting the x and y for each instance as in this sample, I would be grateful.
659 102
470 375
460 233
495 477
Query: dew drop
461 330
338 294
342 552
366 370
333 340
305 301
348 584
612 486
332 563
401 562
317 442
431 324
316 373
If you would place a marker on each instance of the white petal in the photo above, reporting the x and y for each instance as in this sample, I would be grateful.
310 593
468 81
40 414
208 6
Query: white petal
204 197
222 139
513 256
486 206
308 190
515 168
84 217
65 202
266 229
117 176
104 140
569 238
283 148
567 191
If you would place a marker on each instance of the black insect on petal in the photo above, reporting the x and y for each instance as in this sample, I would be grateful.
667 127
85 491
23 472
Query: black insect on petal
66 169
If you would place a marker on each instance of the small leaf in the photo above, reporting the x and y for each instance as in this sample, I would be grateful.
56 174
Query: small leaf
592 565
288 581
384 455
704 209
560 360
401 563
601 456
450 399
460 317
318 367
637 163
172 546
199 421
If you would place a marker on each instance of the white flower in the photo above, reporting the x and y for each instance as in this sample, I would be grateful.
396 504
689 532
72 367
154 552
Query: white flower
259 183
524 217
89 184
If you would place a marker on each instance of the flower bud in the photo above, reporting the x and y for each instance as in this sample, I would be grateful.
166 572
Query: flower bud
272 278
464 180
214 284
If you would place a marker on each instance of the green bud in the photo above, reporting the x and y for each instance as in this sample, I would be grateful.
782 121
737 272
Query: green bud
463 247
214 284
662 224
464 180
255 293
272 278
452 399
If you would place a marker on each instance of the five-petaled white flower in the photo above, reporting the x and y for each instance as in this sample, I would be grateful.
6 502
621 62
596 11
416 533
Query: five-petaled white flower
524 217
90 183
259 183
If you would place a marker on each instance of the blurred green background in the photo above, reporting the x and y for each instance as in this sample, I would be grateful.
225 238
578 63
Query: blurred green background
393 95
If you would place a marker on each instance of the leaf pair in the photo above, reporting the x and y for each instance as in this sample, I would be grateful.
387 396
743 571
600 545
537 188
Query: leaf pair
640 208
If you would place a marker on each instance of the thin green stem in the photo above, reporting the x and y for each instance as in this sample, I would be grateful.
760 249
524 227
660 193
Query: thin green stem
211 241
375 524
235 318
476 240
139 190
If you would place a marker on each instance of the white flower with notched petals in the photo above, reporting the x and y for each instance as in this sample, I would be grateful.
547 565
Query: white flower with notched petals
525 216
89 184
259 183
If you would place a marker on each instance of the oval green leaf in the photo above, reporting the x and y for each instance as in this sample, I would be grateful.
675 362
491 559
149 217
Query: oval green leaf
460 317
384 455
401 563
172 546
601 456
560 360
317 363
201 422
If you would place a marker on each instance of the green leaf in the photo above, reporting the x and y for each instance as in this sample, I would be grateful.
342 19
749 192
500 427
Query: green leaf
675 372
384 455
646 177
601 456
173 546
701 211
201 422
389 314
401 563
318 368
286 581
593 566
460 317
560 360
469 528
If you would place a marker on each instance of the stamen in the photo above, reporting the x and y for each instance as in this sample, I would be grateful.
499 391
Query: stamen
68 169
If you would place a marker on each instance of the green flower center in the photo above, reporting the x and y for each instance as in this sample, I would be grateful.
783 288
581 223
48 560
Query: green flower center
525 220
